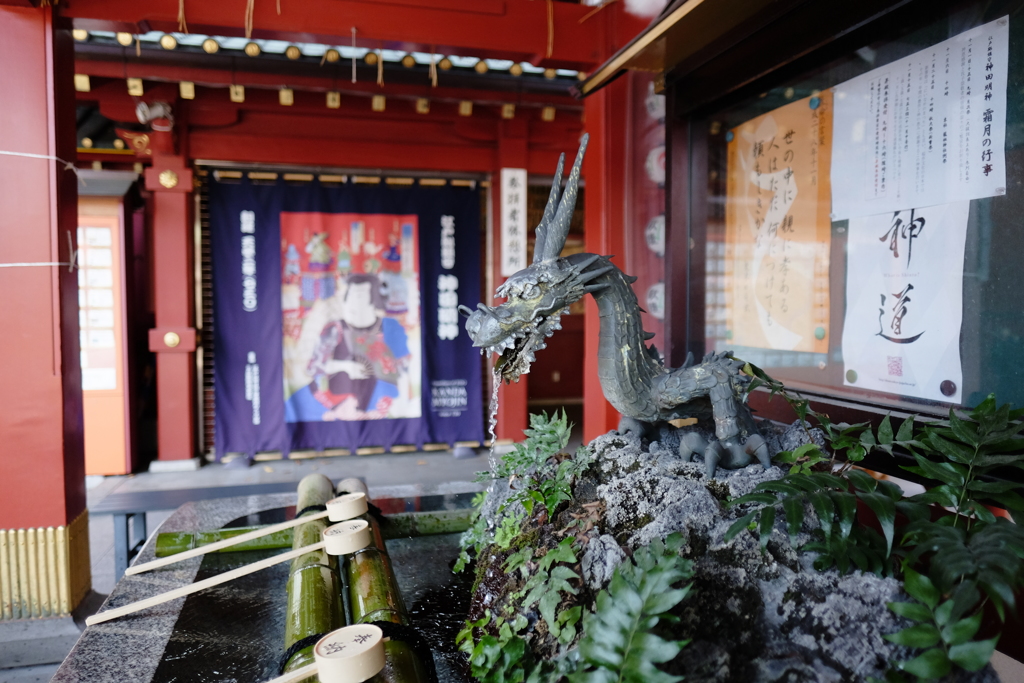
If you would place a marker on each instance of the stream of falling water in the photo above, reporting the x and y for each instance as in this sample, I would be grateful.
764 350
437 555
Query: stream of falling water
493 421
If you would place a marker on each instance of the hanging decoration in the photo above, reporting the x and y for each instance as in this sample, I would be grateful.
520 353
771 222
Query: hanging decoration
353 54
380 67
182 24
337 314
551 28
250 6
433 67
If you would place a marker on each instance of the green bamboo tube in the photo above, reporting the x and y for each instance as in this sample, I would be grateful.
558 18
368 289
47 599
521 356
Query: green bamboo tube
374 596
399 525
174 542
314 585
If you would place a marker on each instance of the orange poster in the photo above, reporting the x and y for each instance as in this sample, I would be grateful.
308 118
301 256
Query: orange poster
778 230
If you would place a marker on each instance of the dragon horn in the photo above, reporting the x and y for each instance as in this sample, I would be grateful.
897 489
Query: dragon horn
556 233
549 210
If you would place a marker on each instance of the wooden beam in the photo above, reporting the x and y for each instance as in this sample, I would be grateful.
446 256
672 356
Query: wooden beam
319 82
508 29
185 64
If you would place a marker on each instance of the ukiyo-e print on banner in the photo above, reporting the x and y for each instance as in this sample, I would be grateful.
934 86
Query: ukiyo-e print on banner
336 315
350 315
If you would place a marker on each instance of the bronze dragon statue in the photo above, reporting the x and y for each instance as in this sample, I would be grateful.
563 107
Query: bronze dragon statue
633 376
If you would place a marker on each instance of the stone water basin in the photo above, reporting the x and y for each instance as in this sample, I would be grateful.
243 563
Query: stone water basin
235 632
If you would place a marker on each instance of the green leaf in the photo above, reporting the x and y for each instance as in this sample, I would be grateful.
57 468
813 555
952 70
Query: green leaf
779 486
618 644
993 486
965 598
762 498
890 489
885 431
972 656
941 495
960 632
804 450
846 508
1009 500
561 553
986 461
964 431
906 431
862 480
951 450
914 611
739 525
824 509
943 612
919 636
943 472
930 664
913 511
794 508
785 457
885 510
920 587
767 522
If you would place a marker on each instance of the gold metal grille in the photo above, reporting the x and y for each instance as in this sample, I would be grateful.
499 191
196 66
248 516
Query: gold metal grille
44 572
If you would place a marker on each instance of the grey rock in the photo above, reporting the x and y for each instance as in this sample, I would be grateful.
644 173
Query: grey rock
752 615
600 559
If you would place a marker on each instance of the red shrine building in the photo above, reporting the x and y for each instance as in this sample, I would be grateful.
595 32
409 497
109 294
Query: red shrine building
120 115
246 229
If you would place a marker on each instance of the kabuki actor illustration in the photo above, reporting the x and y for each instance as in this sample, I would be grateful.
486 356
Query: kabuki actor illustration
351 320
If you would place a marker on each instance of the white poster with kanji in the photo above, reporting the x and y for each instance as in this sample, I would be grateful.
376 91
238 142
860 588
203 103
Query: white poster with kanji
924 130
513 220
904 302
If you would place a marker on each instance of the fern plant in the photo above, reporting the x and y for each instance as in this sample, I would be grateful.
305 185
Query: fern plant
945 637
504 658
538 476
968 558
619 644
833 496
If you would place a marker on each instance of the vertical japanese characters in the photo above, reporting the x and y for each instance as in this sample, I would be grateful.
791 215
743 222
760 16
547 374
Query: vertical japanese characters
447 284
247 221
513 220
778 230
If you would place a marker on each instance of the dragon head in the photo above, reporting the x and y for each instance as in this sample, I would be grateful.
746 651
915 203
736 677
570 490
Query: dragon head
538 295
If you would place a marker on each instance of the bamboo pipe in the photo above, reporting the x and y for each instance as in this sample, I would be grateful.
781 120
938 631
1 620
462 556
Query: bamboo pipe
374 596
337 510
340 539
314 583
398 525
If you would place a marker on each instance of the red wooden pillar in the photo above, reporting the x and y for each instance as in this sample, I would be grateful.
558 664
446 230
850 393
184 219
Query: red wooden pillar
174 337
604 213
42 466
604 210
513 148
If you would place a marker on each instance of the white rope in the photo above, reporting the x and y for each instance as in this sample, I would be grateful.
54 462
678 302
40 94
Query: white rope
68 166
31 264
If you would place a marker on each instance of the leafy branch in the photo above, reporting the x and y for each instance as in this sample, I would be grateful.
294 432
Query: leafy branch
619 643
945 637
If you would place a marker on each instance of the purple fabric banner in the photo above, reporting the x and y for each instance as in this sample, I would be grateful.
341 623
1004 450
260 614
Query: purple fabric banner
335 315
